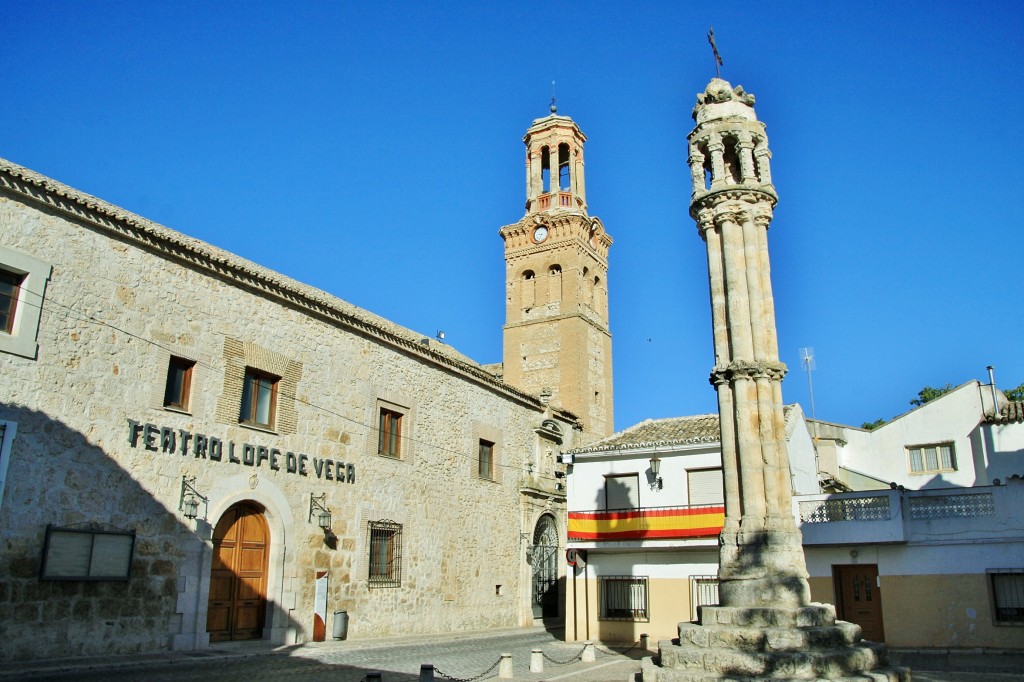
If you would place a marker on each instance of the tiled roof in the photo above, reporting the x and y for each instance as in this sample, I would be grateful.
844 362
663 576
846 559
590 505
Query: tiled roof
1012 413
700 428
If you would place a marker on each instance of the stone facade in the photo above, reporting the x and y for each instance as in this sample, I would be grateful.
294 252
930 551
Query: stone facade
557 338
92 444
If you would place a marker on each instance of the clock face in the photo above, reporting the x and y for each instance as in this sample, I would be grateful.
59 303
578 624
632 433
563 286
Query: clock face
540 234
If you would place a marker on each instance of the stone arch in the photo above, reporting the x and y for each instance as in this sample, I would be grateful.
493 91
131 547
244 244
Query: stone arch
544 562
554 283
248 488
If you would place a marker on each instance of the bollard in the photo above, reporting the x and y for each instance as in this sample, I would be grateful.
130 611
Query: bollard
537 661
505 667
643 641
374 676
588 652
427 672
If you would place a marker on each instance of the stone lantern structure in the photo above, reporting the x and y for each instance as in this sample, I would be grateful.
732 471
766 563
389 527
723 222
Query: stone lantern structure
766 627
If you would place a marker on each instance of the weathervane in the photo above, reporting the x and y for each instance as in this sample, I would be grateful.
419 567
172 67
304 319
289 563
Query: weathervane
554 108
714 48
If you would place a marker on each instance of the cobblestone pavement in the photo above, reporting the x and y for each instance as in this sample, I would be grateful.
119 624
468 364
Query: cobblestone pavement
398 660
460 657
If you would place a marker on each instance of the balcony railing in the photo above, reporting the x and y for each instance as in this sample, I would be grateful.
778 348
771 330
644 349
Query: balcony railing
650 523
563 199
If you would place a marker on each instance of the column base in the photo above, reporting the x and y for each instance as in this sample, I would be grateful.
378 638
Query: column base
770 643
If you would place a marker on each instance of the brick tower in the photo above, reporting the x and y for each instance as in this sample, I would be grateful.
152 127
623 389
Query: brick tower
766 627
556 336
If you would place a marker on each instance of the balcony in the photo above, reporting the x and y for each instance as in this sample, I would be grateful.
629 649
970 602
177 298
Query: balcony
886 516
563 199
650 523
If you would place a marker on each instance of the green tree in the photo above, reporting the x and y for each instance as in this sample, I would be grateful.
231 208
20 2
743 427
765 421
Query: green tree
871 426
1015 394
928 394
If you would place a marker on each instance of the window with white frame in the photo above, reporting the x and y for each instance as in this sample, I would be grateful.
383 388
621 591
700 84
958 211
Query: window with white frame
931 459
7 430
1007 595
22 287
624 597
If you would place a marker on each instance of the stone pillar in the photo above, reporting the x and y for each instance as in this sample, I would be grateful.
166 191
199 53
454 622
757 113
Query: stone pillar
765 626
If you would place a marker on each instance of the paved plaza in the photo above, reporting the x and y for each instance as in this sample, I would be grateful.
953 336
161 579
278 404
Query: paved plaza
466 656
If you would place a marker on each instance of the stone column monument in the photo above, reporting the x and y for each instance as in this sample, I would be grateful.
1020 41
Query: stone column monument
766 627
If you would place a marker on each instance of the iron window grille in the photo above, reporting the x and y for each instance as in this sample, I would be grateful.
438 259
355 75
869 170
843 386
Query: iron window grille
1007 594
705 593
385 554
624 597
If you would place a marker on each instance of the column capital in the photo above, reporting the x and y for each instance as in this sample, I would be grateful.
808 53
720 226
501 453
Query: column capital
742 369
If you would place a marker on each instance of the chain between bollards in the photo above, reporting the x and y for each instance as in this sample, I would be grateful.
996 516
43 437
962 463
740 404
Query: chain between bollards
432 670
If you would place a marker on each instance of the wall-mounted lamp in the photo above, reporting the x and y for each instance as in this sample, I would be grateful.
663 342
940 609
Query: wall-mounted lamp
323 514
656 481
188 503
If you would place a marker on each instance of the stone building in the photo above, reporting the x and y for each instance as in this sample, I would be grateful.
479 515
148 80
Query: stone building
170 412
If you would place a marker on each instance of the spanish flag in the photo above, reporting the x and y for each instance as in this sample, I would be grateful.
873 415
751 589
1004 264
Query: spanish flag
647 524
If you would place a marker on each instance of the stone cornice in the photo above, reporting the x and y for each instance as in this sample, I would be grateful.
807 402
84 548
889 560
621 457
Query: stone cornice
118 223
565 227
596 324
748 193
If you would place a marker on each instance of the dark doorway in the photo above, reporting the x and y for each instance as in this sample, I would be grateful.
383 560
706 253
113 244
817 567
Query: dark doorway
544 559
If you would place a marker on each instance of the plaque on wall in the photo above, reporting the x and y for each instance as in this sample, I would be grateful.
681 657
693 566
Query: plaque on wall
87 554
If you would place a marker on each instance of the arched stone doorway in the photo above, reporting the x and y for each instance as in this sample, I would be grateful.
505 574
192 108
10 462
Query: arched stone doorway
238 575
544 560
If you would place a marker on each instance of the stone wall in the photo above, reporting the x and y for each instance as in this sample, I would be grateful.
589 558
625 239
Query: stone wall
96 446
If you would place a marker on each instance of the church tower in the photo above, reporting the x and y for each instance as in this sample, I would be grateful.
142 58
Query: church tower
556 282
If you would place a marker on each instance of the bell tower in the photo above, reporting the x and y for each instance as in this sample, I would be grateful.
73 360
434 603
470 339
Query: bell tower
556 335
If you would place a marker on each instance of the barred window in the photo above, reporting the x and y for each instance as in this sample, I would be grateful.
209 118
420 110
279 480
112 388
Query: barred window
385 554
929 459
1007 594
624 598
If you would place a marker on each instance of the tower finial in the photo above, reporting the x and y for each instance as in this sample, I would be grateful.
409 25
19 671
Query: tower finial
554 108
714 48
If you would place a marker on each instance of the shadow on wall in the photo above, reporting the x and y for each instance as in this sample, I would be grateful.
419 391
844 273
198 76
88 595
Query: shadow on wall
58 477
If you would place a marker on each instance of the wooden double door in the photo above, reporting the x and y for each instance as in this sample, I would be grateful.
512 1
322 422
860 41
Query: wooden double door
859 598
238 576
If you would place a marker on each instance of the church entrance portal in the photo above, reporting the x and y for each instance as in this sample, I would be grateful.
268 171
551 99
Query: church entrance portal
238 576
544 559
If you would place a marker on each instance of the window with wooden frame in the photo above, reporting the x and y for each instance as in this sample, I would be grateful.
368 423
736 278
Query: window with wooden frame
624 598
23 281
931 459
1007 586
385 554
485 460
10 287
389 433
259 398
179 383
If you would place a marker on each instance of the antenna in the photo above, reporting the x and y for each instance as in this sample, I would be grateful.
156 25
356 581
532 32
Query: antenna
807 360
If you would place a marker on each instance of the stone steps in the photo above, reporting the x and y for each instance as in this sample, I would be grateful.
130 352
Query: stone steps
653 673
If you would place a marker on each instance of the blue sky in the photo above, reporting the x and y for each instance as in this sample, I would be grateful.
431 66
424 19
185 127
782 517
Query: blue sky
374 150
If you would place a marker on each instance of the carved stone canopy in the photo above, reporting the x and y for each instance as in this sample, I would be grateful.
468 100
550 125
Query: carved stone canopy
719 92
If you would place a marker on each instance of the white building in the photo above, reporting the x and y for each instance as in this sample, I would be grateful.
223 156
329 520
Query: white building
645 509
